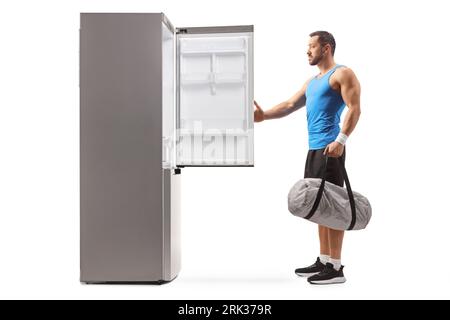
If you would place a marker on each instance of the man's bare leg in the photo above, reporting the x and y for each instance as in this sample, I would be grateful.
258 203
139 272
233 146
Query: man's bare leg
334 274
324 241
335 238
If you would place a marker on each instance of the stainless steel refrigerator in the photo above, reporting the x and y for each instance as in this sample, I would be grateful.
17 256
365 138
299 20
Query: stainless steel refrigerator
153 99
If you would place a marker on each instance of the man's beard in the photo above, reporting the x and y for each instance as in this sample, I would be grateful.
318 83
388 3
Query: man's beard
316 60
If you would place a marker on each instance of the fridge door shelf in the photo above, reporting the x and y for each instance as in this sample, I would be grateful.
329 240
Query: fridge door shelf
213 149
212 163
212 78
213 134
216 43
212 52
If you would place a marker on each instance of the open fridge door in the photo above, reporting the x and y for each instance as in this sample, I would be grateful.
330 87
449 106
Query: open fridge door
214 96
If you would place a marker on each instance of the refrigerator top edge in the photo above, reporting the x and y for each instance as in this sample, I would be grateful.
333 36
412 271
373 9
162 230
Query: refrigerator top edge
219 29
184 30
167 22
164 18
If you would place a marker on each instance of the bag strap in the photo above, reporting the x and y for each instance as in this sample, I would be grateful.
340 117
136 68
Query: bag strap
320 192
322 188
351 198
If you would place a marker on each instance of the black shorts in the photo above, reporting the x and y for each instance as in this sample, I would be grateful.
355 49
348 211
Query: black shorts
315 162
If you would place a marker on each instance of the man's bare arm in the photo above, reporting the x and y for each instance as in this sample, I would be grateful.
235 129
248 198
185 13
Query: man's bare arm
351 92
283 109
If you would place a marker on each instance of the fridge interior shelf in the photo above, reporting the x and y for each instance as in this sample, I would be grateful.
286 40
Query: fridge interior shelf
213 52
215 162
215 43
213 78
212 134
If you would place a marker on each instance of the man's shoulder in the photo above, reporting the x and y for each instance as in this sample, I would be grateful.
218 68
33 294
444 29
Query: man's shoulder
344 73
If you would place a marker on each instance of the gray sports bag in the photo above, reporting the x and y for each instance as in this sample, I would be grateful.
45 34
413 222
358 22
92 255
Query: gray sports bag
328 204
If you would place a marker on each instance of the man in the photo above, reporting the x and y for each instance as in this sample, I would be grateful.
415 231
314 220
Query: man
325 97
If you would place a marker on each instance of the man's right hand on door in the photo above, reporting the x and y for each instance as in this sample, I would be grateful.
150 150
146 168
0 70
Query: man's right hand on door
258 114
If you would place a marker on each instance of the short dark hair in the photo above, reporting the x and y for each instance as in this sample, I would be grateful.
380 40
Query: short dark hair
325 38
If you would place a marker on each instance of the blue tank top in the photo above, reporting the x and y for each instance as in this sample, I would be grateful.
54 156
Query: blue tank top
324 107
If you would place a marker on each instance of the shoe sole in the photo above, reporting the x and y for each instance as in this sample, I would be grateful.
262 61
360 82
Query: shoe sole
305 275
330 281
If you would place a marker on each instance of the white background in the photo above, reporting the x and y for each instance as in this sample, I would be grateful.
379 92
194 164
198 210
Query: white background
239 240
